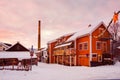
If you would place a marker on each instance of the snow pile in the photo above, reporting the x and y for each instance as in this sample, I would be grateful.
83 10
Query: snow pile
59 72
117 63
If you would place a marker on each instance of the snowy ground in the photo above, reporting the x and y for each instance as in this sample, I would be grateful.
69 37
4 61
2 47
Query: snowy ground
59 72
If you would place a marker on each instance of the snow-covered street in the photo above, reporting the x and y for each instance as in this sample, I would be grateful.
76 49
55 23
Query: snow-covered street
59 72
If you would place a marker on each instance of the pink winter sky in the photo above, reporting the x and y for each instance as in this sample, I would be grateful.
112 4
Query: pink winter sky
19 18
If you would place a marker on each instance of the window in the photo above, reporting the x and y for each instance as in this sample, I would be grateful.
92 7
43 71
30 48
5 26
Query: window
85 46
64 39
94 55
98 45
80 46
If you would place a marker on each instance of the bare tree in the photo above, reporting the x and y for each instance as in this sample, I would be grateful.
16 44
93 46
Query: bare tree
114 29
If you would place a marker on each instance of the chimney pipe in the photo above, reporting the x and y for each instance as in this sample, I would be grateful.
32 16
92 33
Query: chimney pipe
89 25
39 35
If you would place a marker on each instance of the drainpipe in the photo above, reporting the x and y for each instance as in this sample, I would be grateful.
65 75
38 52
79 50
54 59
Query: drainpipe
90 58
75 52
63 60
70 56
70 61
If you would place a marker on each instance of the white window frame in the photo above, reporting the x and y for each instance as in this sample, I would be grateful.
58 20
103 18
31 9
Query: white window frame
84 45
79 46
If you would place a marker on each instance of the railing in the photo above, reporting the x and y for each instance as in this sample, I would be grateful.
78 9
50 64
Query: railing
15 64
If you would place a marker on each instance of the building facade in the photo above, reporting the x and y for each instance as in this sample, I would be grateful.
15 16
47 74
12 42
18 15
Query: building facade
42 55
89 47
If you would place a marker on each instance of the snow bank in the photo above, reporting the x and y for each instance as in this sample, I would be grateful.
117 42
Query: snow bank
59 72
117 63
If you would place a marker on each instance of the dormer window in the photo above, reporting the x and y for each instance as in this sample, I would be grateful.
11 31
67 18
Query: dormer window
85 46
64 39
58 42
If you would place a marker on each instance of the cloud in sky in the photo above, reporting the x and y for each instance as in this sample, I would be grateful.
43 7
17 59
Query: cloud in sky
19 18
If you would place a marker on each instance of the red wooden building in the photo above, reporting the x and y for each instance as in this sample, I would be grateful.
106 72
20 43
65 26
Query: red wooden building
87 47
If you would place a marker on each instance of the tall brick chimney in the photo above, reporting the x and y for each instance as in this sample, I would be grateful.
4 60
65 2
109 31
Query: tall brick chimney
39 35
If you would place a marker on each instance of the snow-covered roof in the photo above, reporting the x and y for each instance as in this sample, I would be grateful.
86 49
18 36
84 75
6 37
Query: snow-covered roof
1 43
62 45
52 41
68 34
44 49
85 31
19 55
60 37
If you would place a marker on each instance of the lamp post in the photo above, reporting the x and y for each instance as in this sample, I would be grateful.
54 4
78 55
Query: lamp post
31 54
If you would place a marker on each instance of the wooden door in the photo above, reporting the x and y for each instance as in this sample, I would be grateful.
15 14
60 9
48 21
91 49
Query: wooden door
104 46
